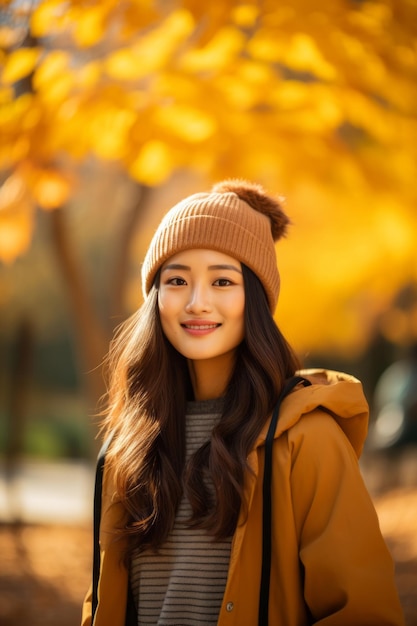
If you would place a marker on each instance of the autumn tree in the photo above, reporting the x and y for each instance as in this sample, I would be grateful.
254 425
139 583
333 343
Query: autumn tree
316 102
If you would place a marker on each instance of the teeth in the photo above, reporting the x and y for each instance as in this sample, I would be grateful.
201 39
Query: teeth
200 326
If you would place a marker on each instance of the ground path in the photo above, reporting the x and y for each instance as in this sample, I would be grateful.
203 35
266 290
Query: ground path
46 560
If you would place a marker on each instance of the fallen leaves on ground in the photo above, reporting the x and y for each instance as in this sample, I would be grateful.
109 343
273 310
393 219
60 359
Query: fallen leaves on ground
46 568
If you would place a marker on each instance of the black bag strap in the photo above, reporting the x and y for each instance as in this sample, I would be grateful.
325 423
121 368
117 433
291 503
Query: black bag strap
98 489
131 612
267 501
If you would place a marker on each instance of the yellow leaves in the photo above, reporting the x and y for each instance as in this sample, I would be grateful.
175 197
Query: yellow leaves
16 118
50 188
394 232
177 26
299 52
12 110
290 94
56 79
19 64
372 18
385 124
109 130
88 75
152 51
248 84
264 47
126 64
16 218
303 55
406 56
9 37
6 95
90 24
220 51
46 16
245 15
360 57
167 83
54 64
237 92
135 16
328 112
403 163
320 99
363 113
19 193
188 123
313 106
356 253
53 77
154 163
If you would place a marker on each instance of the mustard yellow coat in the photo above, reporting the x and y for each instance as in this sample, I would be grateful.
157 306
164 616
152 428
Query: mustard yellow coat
330 565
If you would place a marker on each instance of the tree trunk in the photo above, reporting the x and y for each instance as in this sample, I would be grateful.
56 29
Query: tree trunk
93 335
120 277
92 338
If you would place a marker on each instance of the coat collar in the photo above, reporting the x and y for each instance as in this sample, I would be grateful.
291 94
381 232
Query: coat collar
339 394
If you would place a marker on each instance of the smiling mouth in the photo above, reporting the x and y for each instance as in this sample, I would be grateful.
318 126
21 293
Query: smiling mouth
200 326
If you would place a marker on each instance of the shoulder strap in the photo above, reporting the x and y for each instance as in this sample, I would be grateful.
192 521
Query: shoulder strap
98 488
267 503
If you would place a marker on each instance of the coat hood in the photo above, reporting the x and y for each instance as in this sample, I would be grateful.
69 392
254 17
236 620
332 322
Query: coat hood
338 394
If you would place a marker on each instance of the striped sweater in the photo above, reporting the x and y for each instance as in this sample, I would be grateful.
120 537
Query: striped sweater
183 585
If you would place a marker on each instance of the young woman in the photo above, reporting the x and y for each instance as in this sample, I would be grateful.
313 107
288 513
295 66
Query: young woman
195 376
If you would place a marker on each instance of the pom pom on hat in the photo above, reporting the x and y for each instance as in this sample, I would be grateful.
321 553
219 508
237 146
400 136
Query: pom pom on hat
237 218
256 196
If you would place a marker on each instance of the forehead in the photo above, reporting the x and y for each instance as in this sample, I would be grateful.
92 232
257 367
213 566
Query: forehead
202 257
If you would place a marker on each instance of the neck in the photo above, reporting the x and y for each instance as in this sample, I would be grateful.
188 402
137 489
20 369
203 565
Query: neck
209 377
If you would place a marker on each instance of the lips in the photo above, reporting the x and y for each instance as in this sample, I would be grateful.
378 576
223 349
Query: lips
200 326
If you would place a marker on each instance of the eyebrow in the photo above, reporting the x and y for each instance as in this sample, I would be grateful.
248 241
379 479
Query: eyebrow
179 266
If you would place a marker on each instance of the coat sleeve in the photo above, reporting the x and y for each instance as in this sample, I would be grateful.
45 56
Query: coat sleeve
87 609
348 571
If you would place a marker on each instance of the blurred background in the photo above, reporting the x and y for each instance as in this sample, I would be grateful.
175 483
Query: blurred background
112 111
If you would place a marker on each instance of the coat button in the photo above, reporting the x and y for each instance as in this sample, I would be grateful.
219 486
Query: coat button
229 606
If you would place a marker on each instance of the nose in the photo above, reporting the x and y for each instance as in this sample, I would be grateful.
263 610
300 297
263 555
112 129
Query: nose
199 300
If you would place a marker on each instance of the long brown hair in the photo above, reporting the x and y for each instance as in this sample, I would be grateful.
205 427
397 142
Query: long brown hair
148 391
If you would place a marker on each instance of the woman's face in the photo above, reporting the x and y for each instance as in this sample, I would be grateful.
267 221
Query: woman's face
201 303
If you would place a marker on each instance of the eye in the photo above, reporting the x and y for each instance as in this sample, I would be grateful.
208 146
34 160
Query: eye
222 282
176 281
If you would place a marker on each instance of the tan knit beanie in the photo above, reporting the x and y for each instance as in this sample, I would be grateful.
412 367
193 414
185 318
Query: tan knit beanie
237 218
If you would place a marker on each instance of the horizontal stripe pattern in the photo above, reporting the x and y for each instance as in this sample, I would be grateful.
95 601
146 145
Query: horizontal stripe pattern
183 584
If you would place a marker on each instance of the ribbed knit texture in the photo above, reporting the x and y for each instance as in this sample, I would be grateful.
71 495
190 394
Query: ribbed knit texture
216 221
